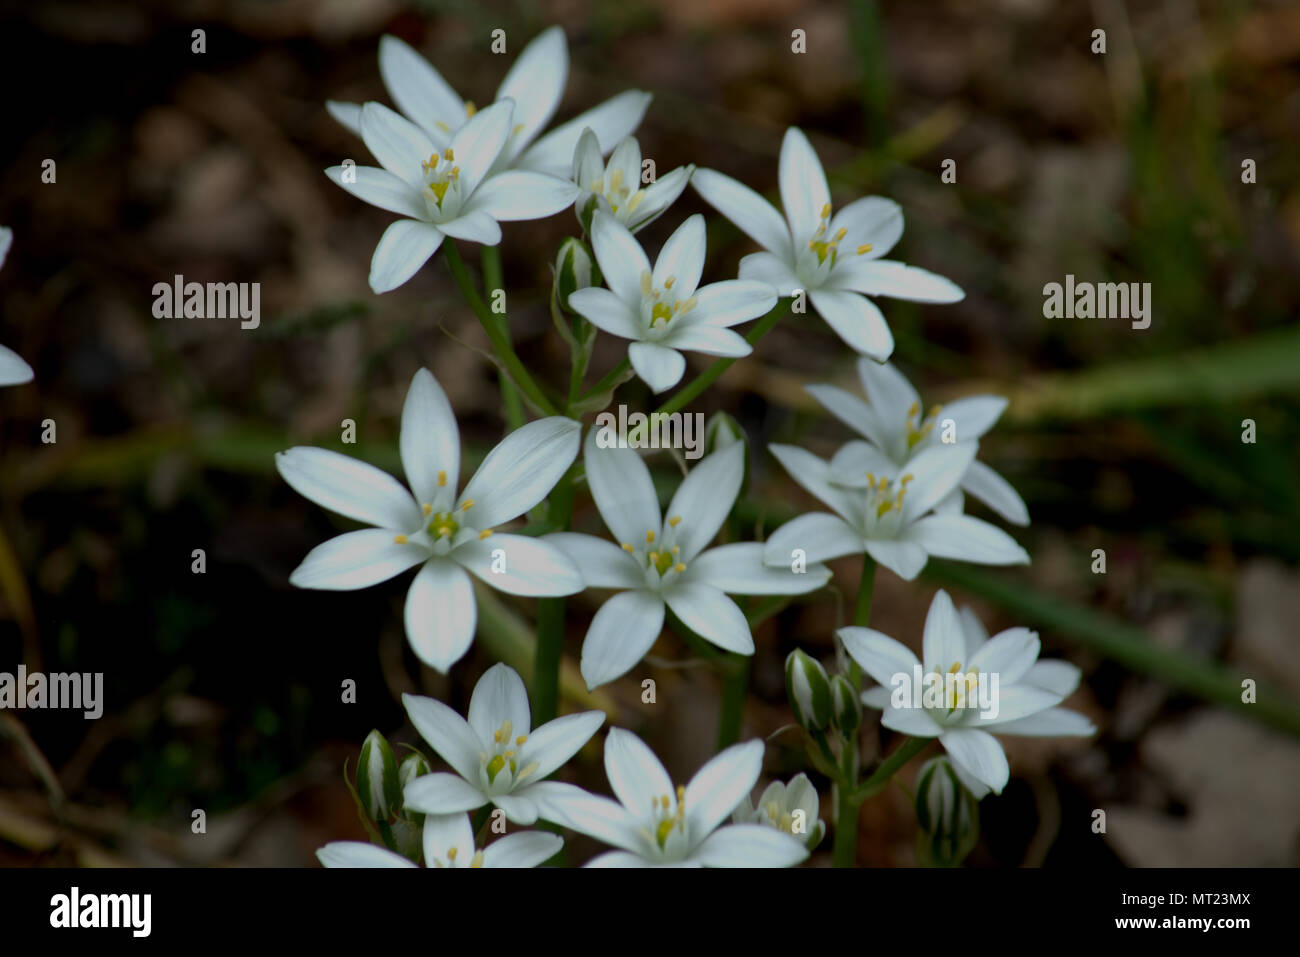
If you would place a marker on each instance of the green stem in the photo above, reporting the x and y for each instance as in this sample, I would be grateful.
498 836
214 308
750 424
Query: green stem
500 343
735 685
550 619
493 278
844 853
608 379
888 768
862 611
710 375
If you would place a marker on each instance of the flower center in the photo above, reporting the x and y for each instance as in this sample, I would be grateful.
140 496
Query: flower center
780 818
440 173
918 429
667 818
661 304
616 193
660 554
883 505
961 691
452 854
504 758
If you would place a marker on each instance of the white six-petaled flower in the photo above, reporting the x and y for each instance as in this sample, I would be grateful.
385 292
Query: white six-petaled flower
654 824
442 192
665 310
497 756
893 521
896 430
615 187
660 559
535 82
431 526
791 808
449 842
1028 690
802 250
13 370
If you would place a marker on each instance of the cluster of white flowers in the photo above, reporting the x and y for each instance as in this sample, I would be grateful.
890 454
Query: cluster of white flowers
455 172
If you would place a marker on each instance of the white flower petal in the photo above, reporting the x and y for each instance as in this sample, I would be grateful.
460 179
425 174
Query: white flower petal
551 745
973 629
522 849
1016 702
904 559
440 614
935 472
479 142
398 144
619 255
856 460
601 563
419 90
856 320
879 655
943 643
520 565
815 476
621 633
715 790
13 370
733 301
535 82
738 569
659 195
1059 677
447 733
618 859
1010 655
883 277
915 721
359 854
771 269
611 121
624 492
852 411
473 226
754 215
430 438
699 336
519 194
1052 723
705 497
995 492
804 192
442 832
521 471
349 487
871 220
635 773
378 187
682 258
405 246
518 806
347 114
606 311
892 398
588 165
599 817
441 793
750 845
498 697
819 535
877 697
966 539
355 560
980 755
658 366
974 415
712 615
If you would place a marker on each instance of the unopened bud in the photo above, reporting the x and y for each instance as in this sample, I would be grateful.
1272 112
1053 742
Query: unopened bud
846 706
572 269
947 815
378 788
809 690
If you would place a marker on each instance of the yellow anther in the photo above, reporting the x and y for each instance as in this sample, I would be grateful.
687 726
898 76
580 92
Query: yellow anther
635 201
679 567
674 521
649 536
448 155
906 478
628 548
840 233
675 549
509 753
826 211
442 126
399 539
427 508
668 283
653 556
685 305
647 284
913 410
484 534
470 109
517 129
442 478
521 739
451 853
477 859
864 249
871 480
956 667
466 505
526 771
444 530
681 789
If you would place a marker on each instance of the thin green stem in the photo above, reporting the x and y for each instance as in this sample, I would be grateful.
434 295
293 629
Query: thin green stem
888 768
735 685
493 278
550 618
500 344
608 379
844 853
862 611
710 375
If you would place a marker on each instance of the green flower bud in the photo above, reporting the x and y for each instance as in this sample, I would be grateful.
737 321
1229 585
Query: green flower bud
809 690
572 269
721 431
377 782
948 816
413 766
846 706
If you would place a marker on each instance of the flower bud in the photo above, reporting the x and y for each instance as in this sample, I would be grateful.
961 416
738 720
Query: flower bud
721 431
948 816
846 706
809 690
377 783
572 269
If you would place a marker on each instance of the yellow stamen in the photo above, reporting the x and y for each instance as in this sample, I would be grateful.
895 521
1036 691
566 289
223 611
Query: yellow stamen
864 249
399 539
466 505
442 479
477 859
826 211
521 739
628 548
679 567
668 283
649 536
427 508
451 853
674 521
448 155
470 109
484 534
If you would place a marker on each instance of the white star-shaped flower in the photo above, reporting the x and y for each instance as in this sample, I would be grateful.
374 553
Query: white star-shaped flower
656 825
1028 691
535 82
615 187
13 370
834 257
449 842
896 430
431 526
661 561
786 807
497 758
665 310
893 521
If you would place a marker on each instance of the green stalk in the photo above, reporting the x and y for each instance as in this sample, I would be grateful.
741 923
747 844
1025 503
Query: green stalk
550 618
493 278
710 375
888 768
844 853
862 612
735 685
608 379
500 343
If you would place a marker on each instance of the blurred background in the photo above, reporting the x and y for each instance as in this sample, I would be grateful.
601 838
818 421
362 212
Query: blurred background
223 689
